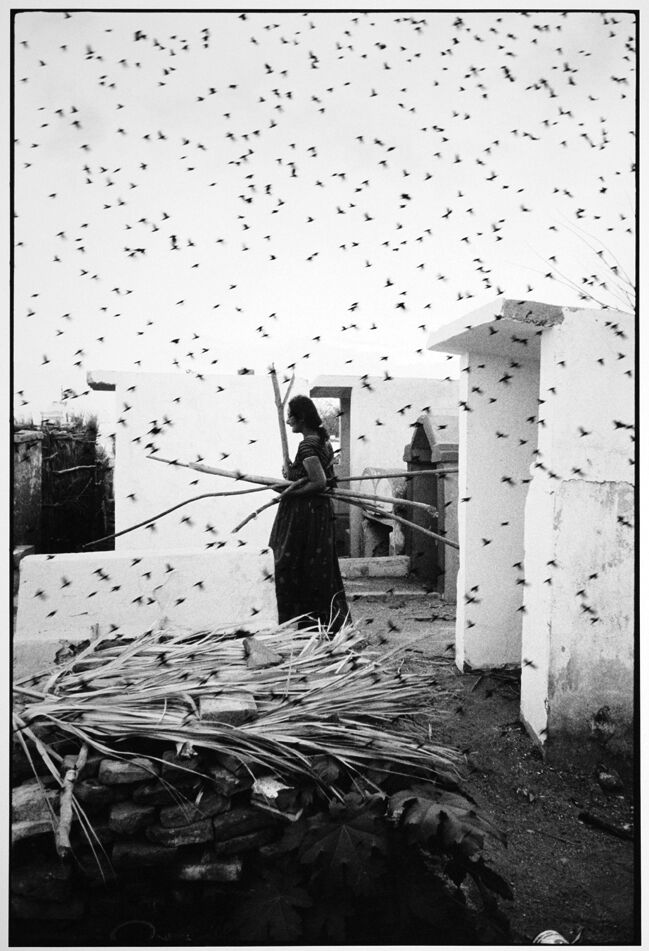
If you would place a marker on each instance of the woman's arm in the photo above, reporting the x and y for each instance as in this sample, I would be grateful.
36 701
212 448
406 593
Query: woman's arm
317 481
282 488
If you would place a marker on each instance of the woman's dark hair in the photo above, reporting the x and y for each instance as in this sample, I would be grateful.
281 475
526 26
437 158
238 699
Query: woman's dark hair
305 410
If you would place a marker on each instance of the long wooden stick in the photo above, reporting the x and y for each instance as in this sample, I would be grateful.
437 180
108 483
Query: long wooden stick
147 521
249 518
404 521
351 499
265 480
348 496
280 483
280 416
341 493
72 765
344 496
253 515
397 475
288 389
226 473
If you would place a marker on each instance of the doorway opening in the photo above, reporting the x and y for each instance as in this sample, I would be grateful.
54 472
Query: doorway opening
333 405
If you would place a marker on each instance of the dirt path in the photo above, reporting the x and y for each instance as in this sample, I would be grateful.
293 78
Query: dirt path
565 875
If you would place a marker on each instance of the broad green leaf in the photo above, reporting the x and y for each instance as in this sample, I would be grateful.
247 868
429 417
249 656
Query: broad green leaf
344 846
450 829
472 843
426 812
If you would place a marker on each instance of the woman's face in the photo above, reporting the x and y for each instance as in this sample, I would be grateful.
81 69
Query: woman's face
294 423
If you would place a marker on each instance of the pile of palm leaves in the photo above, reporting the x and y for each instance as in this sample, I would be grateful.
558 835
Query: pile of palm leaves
324 694
380 840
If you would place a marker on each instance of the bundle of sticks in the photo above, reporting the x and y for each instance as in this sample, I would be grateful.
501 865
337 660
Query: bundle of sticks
363 500
371 503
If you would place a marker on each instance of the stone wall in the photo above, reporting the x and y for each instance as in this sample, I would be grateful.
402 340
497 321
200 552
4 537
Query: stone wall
153 819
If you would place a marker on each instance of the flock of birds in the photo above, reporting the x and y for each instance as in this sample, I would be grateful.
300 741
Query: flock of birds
207 193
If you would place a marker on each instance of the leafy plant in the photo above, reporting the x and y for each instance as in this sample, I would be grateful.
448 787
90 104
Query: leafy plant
446 822
376 868
344 846
427 812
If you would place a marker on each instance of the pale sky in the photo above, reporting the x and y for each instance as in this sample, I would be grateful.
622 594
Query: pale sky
202 192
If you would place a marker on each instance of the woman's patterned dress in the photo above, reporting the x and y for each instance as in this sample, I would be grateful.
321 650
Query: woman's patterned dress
307 573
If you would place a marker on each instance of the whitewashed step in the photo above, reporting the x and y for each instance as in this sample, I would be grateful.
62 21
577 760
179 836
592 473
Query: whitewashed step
387 566
388 589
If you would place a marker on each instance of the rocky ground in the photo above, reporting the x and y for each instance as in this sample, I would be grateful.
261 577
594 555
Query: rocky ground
565 875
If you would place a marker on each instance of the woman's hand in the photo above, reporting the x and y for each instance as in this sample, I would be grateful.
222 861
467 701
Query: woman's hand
293 488
285 471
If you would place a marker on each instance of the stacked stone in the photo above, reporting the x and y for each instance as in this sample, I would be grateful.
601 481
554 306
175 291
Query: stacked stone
147 815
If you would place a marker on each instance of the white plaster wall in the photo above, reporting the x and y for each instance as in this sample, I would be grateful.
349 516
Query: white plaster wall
578 628
383 445
591 659
588 394
537 599
62 597
204 420
491 519
451 555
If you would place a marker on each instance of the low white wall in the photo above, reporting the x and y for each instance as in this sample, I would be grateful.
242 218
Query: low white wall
497 440
62 598
578 627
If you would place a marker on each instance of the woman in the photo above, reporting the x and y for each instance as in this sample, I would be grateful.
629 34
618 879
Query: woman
307 573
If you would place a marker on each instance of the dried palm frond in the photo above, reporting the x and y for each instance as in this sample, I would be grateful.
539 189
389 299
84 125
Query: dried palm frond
329 695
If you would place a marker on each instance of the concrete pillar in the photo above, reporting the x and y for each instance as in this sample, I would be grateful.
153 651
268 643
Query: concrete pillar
498 405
